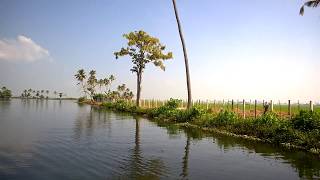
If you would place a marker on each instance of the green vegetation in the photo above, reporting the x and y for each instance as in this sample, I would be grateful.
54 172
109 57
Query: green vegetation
302 131
5 93
143 49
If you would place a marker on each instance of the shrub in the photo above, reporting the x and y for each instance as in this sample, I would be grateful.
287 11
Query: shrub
224 118
306 121
173 103
122 105
82 99
269 119
189 114
98 97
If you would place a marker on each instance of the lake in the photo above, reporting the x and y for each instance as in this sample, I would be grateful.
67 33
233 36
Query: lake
52 139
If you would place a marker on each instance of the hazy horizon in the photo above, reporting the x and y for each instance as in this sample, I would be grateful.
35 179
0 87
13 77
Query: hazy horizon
237 50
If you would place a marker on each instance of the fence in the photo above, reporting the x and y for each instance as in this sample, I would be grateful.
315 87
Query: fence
249 108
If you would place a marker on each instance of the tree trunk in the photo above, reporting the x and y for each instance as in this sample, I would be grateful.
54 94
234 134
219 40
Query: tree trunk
139 78
184 53
185 159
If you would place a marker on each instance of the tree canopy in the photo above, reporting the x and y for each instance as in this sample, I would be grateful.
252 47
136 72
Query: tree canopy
5 93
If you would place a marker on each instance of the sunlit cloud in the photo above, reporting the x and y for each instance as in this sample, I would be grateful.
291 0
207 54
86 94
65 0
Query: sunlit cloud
22 49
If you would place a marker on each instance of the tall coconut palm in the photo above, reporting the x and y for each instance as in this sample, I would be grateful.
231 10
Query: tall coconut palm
81 76
310 3
184 53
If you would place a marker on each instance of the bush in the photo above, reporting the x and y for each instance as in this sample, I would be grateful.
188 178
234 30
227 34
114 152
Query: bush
98 97
82 99
269 119
224 118
122 105
190 114
173 103
306 121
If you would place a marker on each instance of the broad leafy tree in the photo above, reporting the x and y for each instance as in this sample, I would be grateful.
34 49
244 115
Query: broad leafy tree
5 93
143 49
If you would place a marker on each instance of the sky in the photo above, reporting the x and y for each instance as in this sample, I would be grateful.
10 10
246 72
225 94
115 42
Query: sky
244 49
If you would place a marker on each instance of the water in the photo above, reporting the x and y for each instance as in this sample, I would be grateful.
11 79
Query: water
64 140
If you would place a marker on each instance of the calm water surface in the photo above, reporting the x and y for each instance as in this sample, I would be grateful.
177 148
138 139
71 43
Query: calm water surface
42 139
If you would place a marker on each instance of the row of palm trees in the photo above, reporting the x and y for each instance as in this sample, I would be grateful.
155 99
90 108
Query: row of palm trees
40 94
101 88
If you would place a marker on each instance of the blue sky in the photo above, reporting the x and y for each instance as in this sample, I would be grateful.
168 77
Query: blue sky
248 49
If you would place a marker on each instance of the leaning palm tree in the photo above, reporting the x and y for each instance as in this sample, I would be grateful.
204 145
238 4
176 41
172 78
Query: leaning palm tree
81 76
310 3
184 53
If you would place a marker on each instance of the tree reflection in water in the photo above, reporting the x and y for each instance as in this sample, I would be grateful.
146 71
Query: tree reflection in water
302 161
141 167
185 159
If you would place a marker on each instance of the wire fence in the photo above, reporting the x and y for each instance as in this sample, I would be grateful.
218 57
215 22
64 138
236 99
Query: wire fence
244 108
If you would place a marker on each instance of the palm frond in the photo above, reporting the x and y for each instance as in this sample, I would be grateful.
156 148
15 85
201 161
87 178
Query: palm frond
311 3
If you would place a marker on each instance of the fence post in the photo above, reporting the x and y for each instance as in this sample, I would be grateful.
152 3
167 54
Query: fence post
207 104
271 104
255 109
232 106
237 106
289 108
280 108
223 104
311 106
244 108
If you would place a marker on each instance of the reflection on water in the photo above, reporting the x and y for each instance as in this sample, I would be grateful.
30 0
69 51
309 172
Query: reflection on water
61 139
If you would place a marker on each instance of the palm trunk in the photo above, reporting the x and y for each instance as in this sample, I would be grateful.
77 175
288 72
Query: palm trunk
184 53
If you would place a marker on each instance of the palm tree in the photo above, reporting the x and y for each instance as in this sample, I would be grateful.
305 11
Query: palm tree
92 82
47 92
184 53
100 83
25 93
310 3
81 76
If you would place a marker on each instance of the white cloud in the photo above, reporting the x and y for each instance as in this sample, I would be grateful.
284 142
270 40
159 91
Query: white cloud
22 49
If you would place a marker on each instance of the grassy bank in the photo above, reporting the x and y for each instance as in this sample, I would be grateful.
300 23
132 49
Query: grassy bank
302 131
